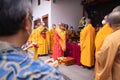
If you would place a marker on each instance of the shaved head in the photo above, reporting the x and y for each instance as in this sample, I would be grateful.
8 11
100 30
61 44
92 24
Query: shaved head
116 9
114 19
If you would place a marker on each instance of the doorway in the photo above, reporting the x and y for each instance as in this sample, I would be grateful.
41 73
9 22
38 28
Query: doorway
45 19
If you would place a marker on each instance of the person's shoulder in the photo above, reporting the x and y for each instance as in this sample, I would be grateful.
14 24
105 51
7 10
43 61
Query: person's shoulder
114 36
39 70
28 68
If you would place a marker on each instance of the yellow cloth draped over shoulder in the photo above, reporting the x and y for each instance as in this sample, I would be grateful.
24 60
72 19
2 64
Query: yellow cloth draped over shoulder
101 35
87 36
51 39
62 35
42 42
59 45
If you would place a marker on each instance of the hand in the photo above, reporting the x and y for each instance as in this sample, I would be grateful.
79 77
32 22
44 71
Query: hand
52 62
30 44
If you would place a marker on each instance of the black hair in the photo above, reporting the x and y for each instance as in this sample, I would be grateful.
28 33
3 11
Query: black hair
12 15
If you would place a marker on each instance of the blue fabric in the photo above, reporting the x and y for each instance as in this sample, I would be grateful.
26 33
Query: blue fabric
15 65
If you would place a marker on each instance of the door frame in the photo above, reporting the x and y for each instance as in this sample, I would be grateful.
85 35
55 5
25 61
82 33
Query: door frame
45 16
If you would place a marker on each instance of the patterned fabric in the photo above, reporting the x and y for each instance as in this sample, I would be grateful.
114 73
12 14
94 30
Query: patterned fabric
15 65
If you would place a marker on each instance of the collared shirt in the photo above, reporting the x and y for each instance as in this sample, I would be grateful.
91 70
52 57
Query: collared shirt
16 65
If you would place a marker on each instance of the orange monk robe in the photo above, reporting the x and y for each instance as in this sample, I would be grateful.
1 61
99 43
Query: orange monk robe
59 45
87 37
62 35
51 39
42 42
108 58
101 35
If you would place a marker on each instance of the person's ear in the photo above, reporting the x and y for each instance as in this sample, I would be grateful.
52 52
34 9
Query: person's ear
109 24
28 23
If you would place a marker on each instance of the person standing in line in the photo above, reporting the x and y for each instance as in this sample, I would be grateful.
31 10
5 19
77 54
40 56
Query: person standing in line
59 45
87 37
108 57
41 37
102 34
116 9
52 37
100 37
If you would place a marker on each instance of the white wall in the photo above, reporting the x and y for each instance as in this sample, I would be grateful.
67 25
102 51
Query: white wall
41 10
66 11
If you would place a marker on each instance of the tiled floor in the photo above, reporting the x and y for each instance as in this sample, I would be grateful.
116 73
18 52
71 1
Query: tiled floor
74 72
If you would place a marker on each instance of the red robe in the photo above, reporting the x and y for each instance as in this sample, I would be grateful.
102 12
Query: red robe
57 49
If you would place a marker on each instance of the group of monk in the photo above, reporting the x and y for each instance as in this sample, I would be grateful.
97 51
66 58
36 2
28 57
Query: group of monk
101 48
91 43
51 41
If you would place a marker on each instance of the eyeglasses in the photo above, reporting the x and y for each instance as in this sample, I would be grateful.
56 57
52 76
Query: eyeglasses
31 18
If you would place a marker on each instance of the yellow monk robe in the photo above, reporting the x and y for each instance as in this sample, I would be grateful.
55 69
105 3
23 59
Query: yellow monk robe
51 39
43 43
101 35
33 36
62 35
87 37
108 58
34 33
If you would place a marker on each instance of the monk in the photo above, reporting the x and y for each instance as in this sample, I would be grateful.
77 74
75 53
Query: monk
41 37
72 32
101 35
52 37
108 57
113 29
59 45
67 32
87 36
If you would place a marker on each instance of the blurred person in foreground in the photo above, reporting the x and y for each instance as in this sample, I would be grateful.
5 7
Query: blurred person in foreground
15 28
103 33
108 57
